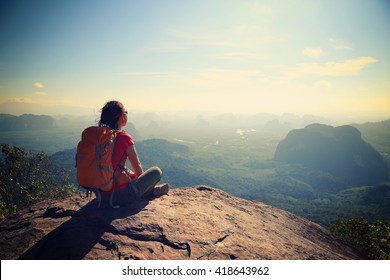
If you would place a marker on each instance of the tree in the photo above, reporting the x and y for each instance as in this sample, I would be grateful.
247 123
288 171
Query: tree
373 240
379 240
27 178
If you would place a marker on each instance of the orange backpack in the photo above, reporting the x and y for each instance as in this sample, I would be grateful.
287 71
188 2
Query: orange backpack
94 158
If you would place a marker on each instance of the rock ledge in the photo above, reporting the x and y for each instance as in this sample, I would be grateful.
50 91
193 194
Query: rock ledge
190 223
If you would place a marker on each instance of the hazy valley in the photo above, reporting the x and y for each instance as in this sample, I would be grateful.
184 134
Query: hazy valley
230 152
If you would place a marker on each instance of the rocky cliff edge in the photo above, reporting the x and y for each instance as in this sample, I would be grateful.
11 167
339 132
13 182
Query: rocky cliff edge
190 223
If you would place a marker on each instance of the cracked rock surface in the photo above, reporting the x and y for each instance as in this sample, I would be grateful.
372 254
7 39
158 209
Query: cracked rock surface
190 223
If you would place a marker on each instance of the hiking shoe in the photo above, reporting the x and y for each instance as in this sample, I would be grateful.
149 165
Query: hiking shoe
160 190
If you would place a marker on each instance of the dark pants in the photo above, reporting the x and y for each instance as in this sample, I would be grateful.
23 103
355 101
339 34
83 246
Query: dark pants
141 187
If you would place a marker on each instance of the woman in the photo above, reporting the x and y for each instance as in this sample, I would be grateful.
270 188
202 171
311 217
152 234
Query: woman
135 183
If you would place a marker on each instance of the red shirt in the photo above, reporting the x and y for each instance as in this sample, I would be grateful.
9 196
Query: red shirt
122 142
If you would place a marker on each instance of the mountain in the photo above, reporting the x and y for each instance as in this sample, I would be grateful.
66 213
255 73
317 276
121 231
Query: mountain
378 135
337 151
26 122
189 223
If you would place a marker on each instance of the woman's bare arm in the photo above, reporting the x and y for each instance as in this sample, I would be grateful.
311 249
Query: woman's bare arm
134 160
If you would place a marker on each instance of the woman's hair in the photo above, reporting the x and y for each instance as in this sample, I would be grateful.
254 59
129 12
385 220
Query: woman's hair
110 114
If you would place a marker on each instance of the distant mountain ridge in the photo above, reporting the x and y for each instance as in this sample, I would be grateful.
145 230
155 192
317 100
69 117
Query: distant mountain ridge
26 122
339 151
377 134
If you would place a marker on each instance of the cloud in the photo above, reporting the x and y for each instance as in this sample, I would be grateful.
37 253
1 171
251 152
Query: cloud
334 69
340 44
40 93
343 47
38 85
313 52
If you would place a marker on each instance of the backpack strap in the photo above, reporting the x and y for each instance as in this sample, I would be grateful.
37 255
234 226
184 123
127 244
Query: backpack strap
111 199
112 142
97 192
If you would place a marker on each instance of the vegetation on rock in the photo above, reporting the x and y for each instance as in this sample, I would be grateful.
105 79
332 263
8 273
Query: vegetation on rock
27 178
371 239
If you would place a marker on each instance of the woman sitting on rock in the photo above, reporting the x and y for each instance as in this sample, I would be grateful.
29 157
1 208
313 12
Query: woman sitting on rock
137 183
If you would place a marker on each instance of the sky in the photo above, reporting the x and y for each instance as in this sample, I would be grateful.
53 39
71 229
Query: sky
326 57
